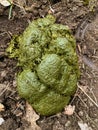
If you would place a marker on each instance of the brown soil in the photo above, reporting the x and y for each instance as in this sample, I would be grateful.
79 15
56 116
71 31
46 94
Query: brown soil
84 26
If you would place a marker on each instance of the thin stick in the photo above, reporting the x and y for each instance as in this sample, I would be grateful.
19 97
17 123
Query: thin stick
82 101
6 87
93 95
77 116
88 96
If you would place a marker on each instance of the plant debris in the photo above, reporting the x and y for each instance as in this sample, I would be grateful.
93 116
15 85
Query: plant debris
46 51
31 117
69 110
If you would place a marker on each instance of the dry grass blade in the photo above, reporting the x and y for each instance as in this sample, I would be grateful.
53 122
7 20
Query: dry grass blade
3 88
88 96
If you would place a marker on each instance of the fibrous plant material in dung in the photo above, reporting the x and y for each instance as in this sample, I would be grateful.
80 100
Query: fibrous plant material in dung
46 51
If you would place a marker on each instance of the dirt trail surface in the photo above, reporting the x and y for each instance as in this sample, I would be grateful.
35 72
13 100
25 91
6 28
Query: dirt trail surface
84 25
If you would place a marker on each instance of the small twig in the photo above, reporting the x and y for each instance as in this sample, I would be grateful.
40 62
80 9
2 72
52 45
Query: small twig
96 57
88 96
93 95
20 6
91 120
78 116
51 9
83 31
89 63
82 101
6 88
74 96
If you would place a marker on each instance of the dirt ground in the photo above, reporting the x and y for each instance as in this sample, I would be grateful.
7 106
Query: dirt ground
83 21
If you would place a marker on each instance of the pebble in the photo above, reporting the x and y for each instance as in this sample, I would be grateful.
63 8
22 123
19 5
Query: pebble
80 113
1 120
67 124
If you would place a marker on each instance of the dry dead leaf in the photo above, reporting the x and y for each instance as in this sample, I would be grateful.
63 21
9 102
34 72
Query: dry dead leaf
1 107
69 110
31 117
6 2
